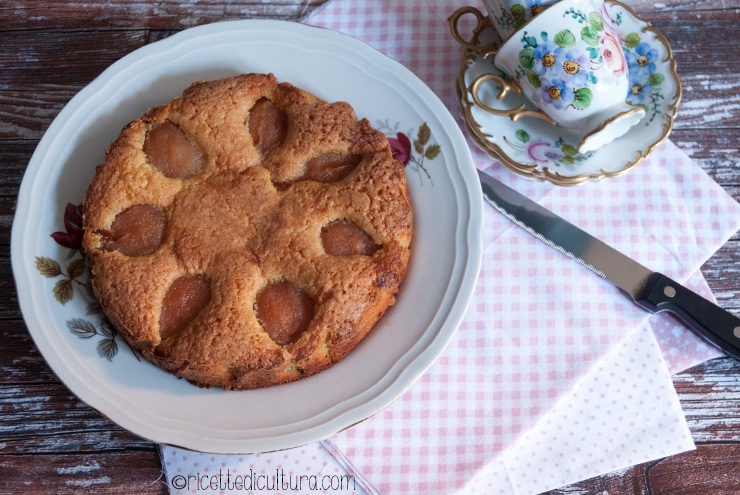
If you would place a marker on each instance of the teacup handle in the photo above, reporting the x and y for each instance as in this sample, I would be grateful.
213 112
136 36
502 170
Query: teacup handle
506 86
482 22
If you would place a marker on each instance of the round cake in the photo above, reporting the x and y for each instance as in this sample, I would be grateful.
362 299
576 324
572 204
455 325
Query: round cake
247 233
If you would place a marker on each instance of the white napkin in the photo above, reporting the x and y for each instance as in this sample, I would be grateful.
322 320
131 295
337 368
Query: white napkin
622 413
540 336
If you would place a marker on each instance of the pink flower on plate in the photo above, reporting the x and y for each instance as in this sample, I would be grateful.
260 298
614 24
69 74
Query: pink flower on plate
542 152
612 54
400 147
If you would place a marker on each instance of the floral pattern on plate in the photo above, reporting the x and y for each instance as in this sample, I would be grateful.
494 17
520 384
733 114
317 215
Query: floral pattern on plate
76 275
412 158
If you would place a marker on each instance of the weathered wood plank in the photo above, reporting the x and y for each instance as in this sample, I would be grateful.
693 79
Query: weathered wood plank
718 153
42 61
656 13
629 481
121 14
682 6
9 308
14 159
710 398
27 114
711 469
13 162
113 473
172 14
21 363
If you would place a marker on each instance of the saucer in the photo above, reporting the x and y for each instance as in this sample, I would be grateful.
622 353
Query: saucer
536 149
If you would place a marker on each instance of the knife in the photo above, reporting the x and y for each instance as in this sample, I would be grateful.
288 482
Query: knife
651 290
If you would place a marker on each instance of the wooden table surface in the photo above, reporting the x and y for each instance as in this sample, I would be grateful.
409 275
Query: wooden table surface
50 442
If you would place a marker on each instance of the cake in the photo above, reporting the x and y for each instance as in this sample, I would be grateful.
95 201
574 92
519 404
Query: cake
247 233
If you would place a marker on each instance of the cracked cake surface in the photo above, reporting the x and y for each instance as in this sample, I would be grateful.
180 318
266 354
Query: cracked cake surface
247 233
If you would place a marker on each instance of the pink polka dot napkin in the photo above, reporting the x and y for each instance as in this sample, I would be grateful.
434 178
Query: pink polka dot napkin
554 376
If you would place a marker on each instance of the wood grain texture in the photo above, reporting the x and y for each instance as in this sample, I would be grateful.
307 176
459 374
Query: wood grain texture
22 15
50 442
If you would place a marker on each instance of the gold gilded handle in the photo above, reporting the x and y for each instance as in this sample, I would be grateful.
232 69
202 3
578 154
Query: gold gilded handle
505 87
482 22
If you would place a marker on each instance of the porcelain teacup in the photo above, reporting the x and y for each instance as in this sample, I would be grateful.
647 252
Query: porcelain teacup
569 63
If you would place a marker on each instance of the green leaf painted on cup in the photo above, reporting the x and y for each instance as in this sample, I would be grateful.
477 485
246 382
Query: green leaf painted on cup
543 35
517 11
522 136
656 79
565 39
526 58
529 41
582 99
632 40
590 37
534 79
595 21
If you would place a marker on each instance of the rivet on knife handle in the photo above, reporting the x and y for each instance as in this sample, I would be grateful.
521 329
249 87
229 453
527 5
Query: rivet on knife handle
714 324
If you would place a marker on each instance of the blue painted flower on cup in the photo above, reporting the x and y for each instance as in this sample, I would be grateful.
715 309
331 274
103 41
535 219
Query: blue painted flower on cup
545 58
642 60
574 67
642 64
639 92
556 93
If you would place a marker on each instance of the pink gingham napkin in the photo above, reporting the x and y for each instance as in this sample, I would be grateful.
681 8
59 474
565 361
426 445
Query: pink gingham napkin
554 376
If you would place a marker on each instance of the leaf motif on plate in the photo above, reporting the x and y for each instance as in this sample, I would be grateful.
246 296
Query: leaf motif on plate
82 328
48 267
63 290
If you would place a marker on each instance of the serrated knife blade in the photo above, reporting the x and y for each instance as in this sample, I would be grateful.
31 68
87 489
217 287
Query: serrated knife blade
651 290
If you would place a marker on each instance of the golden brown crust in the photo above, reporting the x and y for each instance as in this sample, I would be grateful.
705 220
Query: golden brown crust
231 224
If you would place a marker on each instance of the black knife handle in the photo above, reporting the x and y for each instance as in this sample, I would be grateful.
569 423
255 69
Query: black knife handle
717 326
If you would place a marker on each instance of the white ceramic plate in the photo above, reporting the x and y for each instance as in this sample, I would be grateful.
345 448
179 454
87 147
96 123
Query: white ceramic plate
155 405
535 149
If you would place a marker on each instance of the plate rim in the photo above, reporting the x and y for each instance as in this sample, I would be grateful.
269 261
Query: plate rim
466 271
